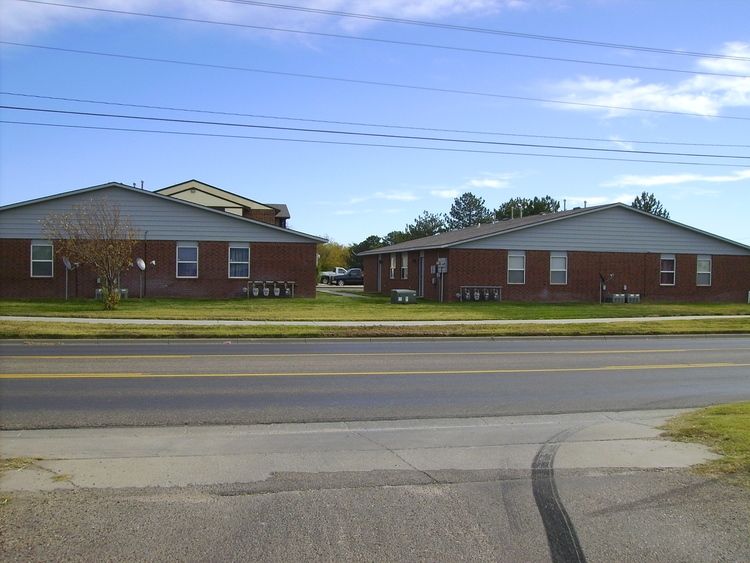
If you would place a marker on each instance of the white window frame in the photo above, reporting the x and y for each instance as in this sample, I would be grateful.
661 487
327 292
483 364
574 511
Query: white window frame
517 254
239 246
705 272
43 261
179 262
665 272
404 265
556 260
393 266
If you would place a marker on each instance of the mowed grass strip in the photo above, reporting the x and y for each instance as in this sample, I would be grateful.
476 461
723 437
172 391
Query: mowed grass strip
329 307
723 428
57 331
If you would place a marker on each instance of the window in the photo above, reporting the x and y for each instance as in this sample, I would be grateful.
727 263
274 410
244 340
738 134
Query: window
517 267
393 266
404 265
187 260
703 276
667 269
42 254
558 268
239 261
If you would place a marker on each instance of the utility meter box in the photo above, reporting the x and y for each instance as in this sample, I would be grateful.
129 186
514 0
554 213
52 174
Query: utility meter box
403 296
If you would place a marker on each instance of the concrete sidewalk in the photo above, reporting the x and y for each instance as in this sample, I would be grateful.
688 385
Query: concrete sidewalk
362 323
210 455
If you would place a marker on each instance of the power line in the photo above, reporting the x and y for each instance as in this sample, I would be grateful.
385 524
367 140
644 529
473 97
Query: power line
385 41
362 124
487 31
369 82
376 145
373 135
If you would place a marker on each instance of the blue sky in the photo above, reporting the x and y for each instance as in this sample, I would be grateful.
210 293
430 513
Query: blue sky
359 124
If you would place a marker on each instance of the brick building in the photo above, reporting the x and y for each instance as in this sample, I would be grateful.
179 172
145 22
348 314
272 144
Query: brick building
194 241
607 252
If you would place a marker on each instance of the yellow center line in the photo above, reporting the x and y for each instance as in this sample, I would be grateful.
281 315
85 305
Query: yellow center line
360 373
369 354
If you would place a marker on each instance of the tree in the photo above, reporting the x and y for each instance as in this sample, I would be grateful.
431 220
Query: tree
467 210
373 241
96 234
395 237
647 202
426 225
520 207
332 254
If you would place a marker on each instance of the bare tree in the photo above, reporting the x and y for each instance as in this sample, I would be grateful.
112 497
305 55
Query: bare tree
95 233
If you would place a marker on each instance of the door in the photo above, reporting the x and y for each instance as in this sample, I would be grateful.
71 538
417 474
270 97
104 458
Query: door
420 275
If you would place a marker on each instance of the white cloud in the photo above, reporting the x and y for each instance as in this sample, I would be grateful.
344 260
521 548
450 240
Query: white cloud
450 193
623 144
701 94
22 19
487 183
397 196
674 179
732 49
491 181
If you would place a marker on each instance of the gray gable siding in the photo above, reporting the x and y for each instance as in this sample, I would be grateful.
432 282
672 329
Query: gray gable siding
615 229
163 217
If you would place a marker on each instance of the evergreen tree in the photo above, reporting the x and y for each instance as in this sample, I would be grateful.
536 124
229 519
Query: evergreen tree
373 241
520 207
395 237
467 210
426 225
648 202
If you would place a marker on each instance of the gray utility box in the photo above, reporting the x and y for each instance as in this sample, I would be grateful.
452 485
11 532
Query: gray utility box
403 296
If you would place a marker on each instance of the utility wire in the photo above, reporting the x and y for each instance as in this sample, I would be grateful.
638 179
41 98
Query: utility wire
361 124
370 82
377 145
386 41
364 134
487 31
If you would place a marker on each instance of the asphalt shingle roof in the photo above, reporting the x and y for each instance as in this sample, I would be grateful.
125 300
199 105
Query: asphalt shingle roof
452 238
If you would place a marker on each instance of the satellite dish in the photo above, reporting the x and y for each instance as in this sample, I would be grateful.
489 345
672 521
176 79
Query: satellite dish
140 263
68 265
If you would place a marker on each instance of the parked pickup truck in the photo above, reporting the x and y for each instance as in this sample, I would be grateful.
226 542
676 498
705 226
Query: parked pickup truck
327 277
351 277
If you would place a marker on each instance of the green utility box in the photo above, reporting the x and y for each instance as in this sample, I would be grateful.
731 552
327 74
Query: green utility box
403 296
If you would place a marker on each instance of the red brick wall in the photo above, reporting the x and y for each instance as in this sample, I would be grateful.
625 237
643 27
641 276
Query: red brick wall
264 215
268 262
638 272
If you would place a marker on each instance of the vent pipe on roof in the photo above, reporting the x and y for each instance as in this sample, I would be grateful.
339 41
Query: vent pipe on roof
584 204
565 205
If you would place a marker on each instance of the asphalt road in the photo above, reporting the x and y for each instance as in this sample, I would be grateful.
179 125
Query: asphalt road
547 487
149 383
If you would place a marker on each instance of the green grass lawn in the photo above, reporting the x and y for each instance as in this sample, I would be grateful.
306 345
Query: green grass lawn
726 430
330 307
